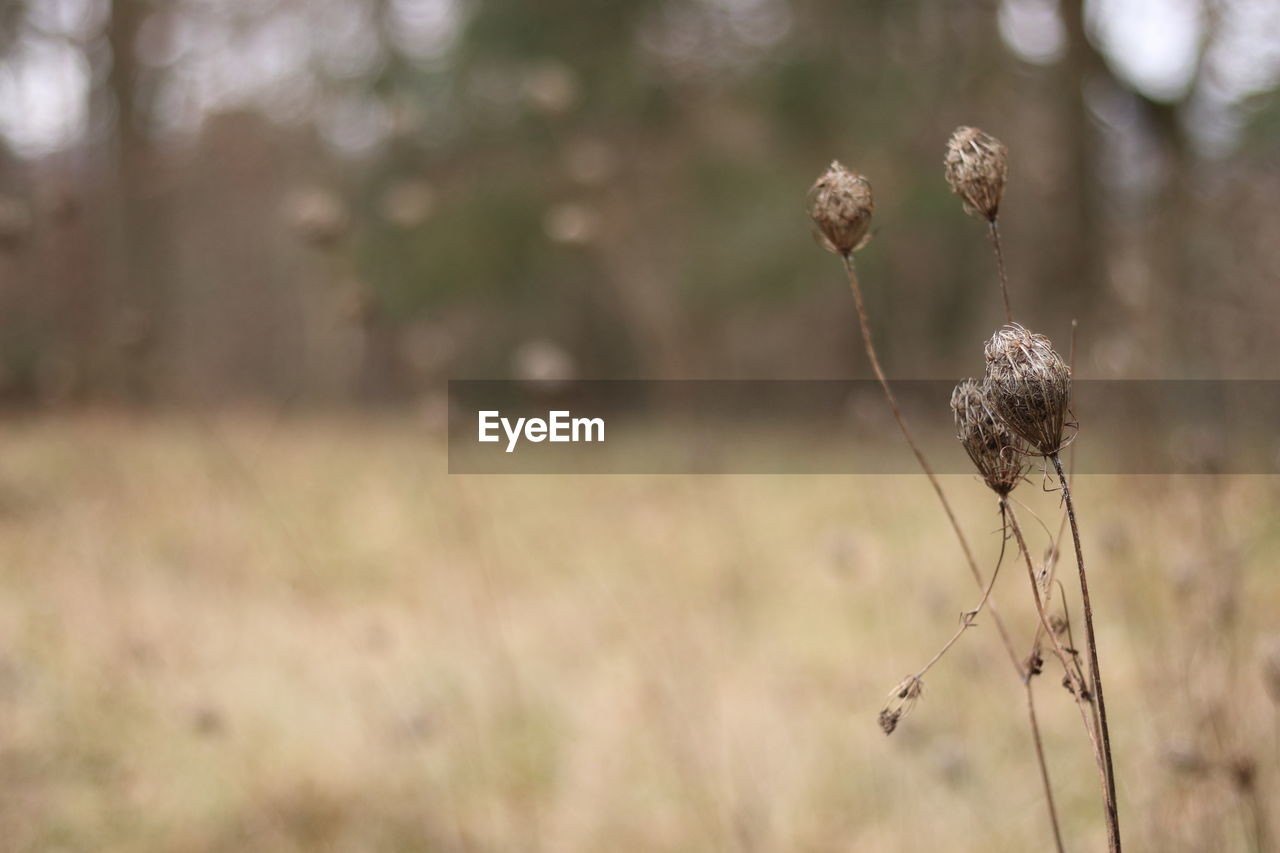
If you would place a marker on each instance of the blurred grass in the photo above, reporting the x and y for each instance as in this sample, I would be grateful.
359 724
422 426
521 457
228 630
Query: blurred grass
256 634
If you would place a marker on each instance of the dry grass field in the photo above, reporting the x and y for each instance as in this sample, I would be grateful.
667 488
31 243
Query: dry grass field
249 633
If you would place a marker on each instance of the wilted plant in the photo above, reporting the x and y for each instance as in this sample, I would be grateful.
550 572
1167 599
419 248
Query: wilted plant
977 167
1021 408
841 204
901 700
1029 385
998 454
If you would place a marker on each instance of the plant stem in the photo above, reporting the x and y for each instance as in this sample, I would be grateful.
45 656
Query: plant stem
1044 765
966 619
869 346
1113 813
993 230
1075 681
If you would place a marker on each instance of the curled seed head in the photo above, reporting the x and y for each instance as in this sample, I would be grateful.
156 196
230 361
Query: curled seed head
1028 385
840 203
998 454
977 166
901 700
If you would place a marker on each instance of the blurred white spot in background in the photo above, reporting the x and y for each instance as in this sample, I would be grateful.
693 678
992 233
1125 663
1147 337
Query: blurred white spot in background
544 361
571 223
1033 30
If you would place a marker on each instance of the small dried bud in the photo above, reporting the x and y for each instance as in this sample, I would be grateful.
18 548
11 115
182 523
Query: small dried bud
901 700
841 206
1029 387
997 453
977 166
1034 664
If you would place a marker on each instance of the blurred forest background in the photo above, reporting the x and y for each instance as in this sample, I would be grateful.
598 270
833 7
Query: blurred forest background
224 627
350 200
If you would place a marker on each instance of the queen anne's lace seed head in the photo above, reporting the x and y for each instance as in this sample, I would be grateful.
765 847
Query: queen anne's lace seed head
1028 386
841 205
977 167
900 702
999 455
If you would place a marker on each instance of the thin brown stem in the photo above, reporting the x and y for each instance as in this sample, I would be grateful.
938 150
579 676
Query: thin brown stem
966 619
1113 812
869 345
1074 681
1044 766
1052 569
993 230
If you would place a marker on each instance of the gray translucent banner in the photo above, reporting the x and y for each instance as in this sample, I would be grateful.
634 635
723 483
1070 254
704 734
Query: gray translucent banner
838 427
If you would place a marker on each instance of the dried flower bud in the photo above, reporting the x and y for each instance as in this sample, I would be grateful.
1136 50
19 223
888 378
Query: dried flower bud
1034 664
901 700
841 205
977 166
1028 386
997 453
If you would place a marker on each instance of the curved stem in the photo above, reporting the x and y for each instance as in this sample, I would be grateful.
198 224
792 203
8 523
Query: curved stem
1074 679
1044 766
1113 814
966 619
870 347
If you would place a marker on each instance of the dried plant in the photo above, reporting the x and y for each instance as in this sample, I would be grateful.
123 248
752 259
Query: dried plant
841 204
1029 386
840 195
901 700
998 454
977 167
1030 389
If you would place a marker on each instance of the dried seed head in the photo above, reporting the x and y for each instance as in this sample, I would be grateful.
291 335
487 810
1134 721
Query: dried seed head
840 203
977 166
1034 664
997 453
901 700
1028 386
